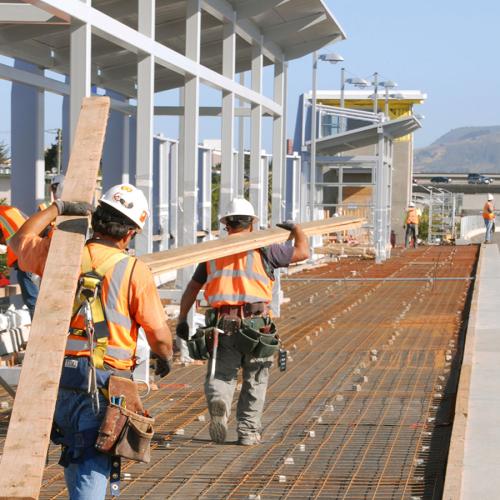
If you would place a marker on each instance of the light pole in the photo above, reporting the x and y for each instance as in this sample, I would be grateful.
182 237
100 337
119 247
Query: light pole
331 58
357 82
375 92
387 84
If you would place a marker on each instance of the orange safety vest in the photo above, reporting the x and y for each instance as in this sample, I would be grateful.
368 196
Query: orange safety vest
115 338
11 219
238 279
486 213
412 216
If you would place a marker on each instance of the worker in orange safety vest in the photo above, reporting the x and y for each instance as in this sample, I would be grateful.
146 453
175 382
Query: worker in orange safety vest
239 331
489 217
411 225
11 219
119 293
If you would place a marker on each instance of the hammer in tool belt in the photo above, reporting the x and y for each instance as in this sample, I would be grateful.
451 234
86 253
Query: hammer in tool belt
215 346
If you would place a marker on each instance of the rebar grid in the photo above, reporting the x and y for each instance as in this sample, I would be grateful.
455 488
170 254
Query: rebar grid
363 411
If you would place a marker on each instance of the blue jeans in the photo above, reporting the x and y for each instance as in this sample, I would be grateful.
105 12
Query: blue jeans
489 226
86 478
29 290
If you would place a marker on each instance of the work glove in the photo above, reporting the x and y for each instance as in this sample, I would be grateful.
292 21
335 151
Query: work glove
73 207
162 366
289 225
182 330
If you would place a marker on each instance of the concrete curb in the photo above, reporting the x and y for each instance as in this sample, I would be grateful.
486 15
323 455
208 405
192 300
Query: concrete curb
455 466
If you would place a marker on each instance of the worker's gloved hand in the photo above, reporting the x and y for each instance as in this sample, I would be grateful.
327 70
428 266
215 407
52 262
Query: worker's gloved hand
289 225
162 366
73 207
182 330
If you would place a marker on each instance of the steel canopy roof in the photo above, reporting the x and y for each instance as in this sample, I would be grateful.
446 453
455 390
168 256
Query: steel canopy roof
293 27
366 136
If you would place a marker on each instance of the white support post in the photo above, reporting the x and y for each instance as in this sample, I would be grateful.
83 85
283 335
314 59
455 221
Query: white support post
278 146
126 150
145 116
241 144
264 190
204 214
173 194
378 216
256 121
228 70
79 71
164 189
27 145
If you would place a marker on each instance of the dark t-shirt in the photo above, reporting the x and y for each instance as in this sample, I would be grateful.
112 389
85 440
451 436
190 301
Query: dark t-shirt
277 256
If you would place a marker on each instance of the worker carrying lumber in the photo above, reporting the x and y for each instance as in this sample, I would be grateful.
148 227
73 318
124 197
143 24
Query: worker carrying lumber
11 219
411 225
489 217
102 340
239 330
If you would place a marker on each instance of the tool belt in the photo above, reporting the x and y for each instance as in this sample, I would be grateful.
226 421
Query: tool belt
253 330
127 429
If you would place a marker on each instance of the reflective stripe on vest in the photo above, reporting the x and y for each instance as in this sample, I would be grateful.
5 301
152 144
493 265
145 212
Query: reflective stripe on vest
119 328
11 219
412 216
486 213
237 279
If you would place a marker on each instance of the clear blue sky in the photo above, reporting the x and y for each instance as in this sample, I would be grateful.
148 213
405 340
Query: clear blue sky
445 48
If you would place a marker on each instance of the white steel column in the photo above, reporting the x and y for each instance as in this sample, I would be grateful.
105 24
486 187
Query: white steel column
228 173
241 144
204 213
163 192
256 121
27 143
145 116
378 216
278 146
126 149
173 195
191 123
79 71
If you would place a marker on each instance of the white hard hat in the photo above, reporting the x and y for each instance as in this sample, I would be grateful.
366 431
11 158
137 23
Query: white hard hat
57 179
128 200
490 197
411 204
238 206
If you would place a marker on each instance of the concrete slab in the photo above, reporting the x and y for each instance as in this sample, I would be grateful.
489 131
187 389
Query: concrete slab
481 460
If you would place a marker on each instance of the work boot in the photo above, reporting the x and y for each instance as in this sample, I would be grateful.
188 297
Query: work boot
218 422
249 440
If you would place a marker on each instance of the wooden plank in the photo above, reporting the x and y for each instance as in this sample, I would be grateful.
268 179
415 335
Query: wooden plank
162 262
27 441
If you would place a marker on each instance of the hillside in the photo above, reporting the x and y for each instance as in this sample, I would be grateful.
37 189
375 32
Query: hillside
462 150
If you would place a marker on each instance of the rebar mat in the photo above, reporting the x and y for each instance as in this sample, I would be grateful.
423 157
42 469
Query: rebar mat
364 410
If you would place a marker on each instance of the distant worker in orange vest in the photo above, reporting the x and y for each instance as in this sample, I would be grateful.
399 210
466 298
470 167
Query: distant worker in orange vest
238 289
411 224
124 292
11 219
489 218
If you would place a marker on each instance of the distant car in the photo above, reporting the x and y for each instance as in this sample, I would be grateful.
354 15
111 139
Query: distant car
478 179
439 180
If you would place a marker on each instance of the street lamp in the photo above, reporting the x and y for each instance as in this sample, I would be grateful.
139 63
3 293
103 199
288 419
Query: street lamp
357 82
388 84
332 58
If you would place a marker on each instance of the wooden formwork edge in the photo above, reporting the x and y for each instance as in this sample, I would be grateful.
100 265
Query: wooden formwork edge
455 465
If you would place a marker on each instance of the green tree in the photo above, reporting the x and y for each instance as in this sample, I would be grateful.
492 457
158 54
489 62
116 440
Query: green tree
51 158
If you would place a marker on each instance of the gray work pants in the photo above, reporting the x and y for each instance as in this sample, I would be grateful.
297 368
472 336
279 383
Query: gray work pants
253 390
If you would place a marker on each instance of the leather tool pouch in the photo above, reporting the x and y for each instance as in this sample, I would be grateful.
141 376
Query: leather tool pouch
197 344
126 430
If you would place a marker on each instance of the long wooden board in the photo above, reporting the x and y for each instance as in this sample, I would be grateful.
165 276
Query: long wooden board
27 441
162 262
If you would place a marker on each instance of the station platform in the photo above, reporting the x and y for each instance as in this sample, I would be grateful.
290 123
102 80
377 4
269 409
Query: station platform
474 458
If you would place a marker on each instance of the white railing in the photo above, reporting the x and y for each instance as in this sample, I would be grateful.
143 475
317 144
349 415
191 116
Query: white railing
471 225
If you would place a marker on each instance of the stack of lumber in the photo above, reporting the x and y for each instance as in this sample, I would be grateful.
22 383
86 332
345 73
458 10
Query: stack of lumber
345 249
162 262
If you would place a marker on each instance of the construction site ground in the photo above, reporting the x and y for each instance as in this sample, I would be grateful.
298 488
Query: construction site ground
364 410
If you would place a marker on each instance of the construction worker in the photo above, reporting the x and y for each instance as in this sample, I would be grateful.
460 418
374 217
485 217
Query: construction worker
11 219
130 300
489 217
411 225
238 289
